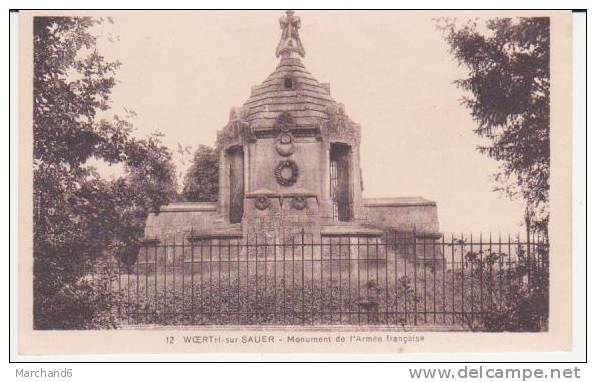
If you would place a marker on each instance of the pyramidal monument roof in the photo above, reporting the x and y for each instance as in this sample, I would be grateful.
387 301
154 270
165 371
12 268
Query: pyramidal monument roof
290 88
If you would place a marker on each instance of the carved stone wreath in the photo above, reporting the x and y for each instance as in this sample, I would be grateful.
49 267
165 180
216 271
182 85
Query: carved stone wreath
286 172
299 202
262 203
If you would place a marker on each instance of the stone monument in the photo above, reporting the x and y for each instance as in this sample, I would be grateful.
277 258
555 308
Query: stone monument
289 165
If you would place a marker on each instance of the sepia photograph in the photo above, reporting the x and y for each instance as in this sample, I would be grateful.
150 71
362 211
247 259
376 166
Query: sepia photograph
285 179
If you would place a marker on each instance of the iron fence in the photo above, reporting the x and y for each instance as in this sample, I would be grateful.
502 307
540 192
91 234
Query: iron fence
399 279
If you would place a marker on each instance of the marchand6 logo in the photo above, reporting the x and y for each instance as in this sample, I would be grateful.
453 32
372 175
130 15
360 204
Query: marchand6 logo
43 373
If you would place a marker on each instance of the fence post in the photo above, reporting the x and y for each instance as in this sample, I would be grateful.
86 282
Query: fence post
274 276
302 271
528 249
192 277
415 277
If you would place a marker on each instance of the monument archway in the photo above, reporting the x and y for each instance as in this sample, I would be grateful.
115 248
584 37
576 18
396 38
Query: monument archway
340 184
236 181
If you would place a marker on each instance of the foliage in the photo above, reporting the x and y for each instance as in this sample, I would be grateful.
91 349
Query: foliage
519 298
263 299
508 95
79 217
202 179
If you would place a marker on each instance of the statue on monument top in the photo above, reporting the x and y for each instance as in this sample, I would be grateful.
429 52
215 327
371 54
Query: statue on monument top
290 40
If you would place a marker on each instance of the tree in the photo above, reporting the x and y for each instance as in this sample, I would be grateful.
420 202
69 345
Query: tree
150 183
79 217
508 95
202 179
518 292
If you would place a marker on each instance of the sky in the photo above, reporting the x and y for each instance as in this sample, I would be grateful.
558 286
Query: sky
182 72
